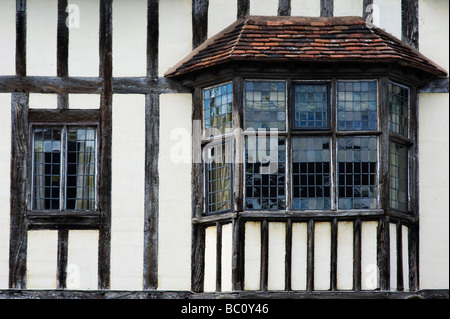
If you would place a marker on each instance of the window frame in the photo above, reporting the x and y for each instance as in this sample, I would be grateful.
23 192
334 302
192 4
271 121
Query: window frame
63 127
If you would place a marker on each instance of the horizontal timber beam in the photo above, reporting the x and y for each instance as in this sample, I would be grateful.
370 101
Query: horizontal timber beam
88 85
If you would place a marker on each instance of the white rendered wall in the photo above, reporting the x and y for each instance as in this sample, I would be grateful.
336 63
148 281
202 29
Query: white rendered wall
43 101
405 259
8 38
210 258
175 32
393 255
277 256
344 269
252 258
130 38
299 256
42 252
82 260
307 8
322 256
5 163
221 13
264 8
175 166
84 101
387 14
348 8
227 256
42 22
369 268
434 190
84 37
434 31
128 171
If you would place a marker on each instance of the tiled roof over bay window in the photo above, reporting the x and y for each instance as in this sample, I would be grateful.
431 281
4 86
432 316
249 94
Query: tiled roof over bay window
304 39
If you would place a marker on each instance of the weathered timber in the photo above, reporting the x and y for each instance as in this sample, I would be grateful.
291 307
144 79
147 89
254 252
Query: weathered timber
199 22
284 7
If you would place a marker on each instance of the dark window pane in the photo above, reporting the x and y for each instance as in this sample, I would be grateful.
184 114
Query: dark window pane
398 109
398 181
217 109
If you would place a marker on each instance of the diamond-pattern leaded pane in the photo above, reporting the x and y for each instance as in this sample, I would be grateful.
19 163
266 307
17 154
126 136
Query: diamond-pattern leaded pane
219 177
398 173
217 108
311 173
265 105
398 109
357 172
311 106
265 164
357 105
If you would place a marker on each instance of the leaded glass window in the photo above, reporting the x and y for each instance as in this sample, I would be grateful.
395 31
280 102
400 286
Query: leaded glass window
398 109
217 109
265 105
219 177
398 182
311 106
357 172
311 173
357 105
64 168
265 173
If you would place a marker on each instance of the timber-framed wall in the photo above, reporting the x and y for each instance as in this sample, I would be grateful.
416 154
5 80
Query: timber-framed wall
152 86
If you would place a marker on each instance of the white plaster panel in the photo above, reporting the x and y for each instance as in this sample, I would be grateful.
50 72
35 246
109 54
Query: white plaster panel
434 190
83 22
252 268
307 8
220 15
175 191
42 248
369 268
227 257
128 171
82 260
42 22
130 38
393 255
299 255
277 256
8 38
5 163
344 280
348 8
387 14
405 255
434 31
264 7
175 32
322 256
43 101
84 101
210 259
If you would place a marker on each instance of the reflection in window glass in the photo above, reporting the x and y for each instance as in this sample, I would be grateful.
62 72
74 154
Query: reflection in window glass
357 172
311 106
218 177
357 105
311 173
265 178
47 169
218 107
265 105
398 183
398 109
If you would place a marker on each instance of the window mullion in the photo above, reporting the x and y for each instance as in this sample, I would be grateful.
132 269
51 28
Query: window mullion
333 127
384 143
63 169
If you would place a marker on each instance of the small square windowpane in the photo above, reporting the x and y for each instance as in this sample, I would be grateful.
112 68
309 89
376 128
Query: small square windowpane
311 109
217 109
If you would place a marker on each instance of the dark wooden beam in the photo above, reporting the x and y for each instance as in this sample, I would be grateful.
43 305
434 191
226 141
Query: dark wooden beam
152 38
19 190
326 8
21 37
436 86
64 116
61 272
367 9
218 257
310 256
410 22
383 253
105 169
243 8
151 205
284 7
199 22
264 255
357 254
